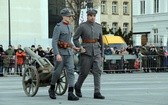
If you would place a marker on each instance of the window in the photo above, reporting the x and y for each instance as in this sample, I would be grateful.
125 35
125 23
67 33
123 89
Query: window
103 7
125 28
156 6
142 6
125 8
104 27
114 27
114 7
155 31
104 24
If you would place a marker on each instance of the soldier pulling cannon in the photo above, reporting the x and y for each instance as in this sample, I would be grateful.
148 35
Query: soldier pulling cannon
38 74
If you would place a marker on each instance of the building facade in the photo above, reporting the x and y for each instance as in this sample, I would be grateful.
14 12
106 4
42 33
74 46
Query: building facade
115 14
31 22
150 22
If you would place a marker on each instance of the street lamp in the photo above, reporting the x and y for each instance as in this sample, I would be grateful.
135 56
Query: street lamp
9 22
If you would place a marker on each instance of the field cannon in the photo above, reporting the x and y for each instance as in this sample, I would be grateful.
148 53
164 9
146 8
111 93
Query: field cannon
38 73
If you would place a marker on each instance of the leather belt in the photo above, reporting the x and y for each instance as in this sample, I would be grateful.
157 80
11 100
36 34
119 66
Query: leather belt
89 40
64 45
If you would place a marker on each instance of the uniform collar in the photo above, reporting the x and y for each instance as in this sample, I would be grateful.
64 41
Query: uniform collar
65 23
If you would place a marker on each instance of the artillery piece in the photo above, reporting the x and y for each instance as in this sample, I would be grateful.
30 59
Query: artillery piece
38 73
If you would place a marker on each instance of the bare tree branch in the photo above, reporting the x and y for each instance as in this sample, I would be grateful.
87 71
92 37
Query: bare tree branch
76 5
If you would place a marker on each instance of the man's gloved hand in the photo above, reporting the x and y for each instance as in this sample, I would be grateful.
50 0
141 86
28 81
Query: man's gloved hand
82 50
76 48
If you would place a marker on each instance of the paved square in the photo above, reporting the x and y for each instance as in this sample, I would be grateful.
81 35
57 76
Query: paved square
119 89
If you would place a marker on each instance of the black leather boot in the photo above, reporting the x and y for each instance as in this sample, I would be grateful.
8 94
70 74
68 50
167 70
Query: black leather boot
98 96
51 92
72 97
78 92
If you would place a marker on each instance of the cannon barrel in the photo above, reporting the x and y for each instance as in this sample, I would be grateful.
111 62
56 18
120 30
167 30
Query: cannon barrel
35 56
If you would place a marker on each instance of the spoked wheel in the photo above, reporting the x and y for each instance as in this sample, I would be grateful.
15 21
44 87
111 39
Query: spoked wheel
62 83
30 81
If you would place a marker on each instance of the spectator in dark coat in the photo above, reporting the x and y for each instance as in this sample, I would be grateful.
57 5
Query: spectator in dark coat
41 52
10 64
161 57
107 50
1 60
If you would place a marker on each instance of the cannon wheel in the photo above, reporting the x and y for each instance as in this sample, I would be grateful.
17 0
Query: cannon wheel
30 81
62 84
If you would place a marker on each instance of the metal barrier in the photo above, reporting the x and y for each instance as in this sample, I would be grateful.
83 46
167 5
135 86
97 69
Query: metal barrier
112 64
154 63
9 64
120 63
127 63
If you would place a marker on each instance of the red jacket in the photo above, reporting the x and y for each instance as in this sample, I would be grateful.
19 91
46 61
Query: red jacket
20 57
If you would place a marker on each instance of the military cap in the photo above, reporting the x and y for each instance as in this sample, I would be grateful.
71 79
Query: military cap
91 11
66 12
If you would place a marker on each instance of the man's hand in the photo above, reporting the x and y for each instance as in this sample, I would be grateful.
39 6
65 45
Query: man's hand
82 50
58 58
76 49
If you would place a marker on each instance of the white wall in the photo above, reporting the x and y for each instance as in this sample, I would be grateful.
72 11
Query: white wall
3 21
29 22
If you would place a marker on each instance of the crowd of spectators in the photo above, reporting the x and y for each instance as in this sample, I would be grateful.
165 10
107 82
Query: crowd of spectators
13 59
122 51
153 58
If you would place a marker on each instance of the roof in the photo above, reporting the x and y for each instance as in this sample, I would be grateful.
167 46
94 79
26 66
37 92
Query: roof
111 39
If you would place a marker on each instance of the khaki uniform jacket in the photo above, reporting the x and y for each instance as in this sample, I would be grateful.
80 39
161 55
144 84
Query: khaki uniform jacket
62 32
88 31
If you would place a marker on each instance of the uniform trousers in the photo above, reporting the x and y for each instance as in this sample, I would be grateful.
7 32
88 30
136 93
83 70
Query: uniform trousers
67 63
91 64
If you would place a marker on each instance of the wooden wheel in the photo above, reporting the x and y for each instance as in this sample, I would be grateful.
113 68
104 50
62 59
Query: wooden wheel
62 84
30 81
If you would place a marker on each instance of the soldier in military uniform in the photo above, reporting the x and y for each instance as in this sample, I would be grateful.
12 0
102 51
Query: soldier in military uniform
90 33
63 51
